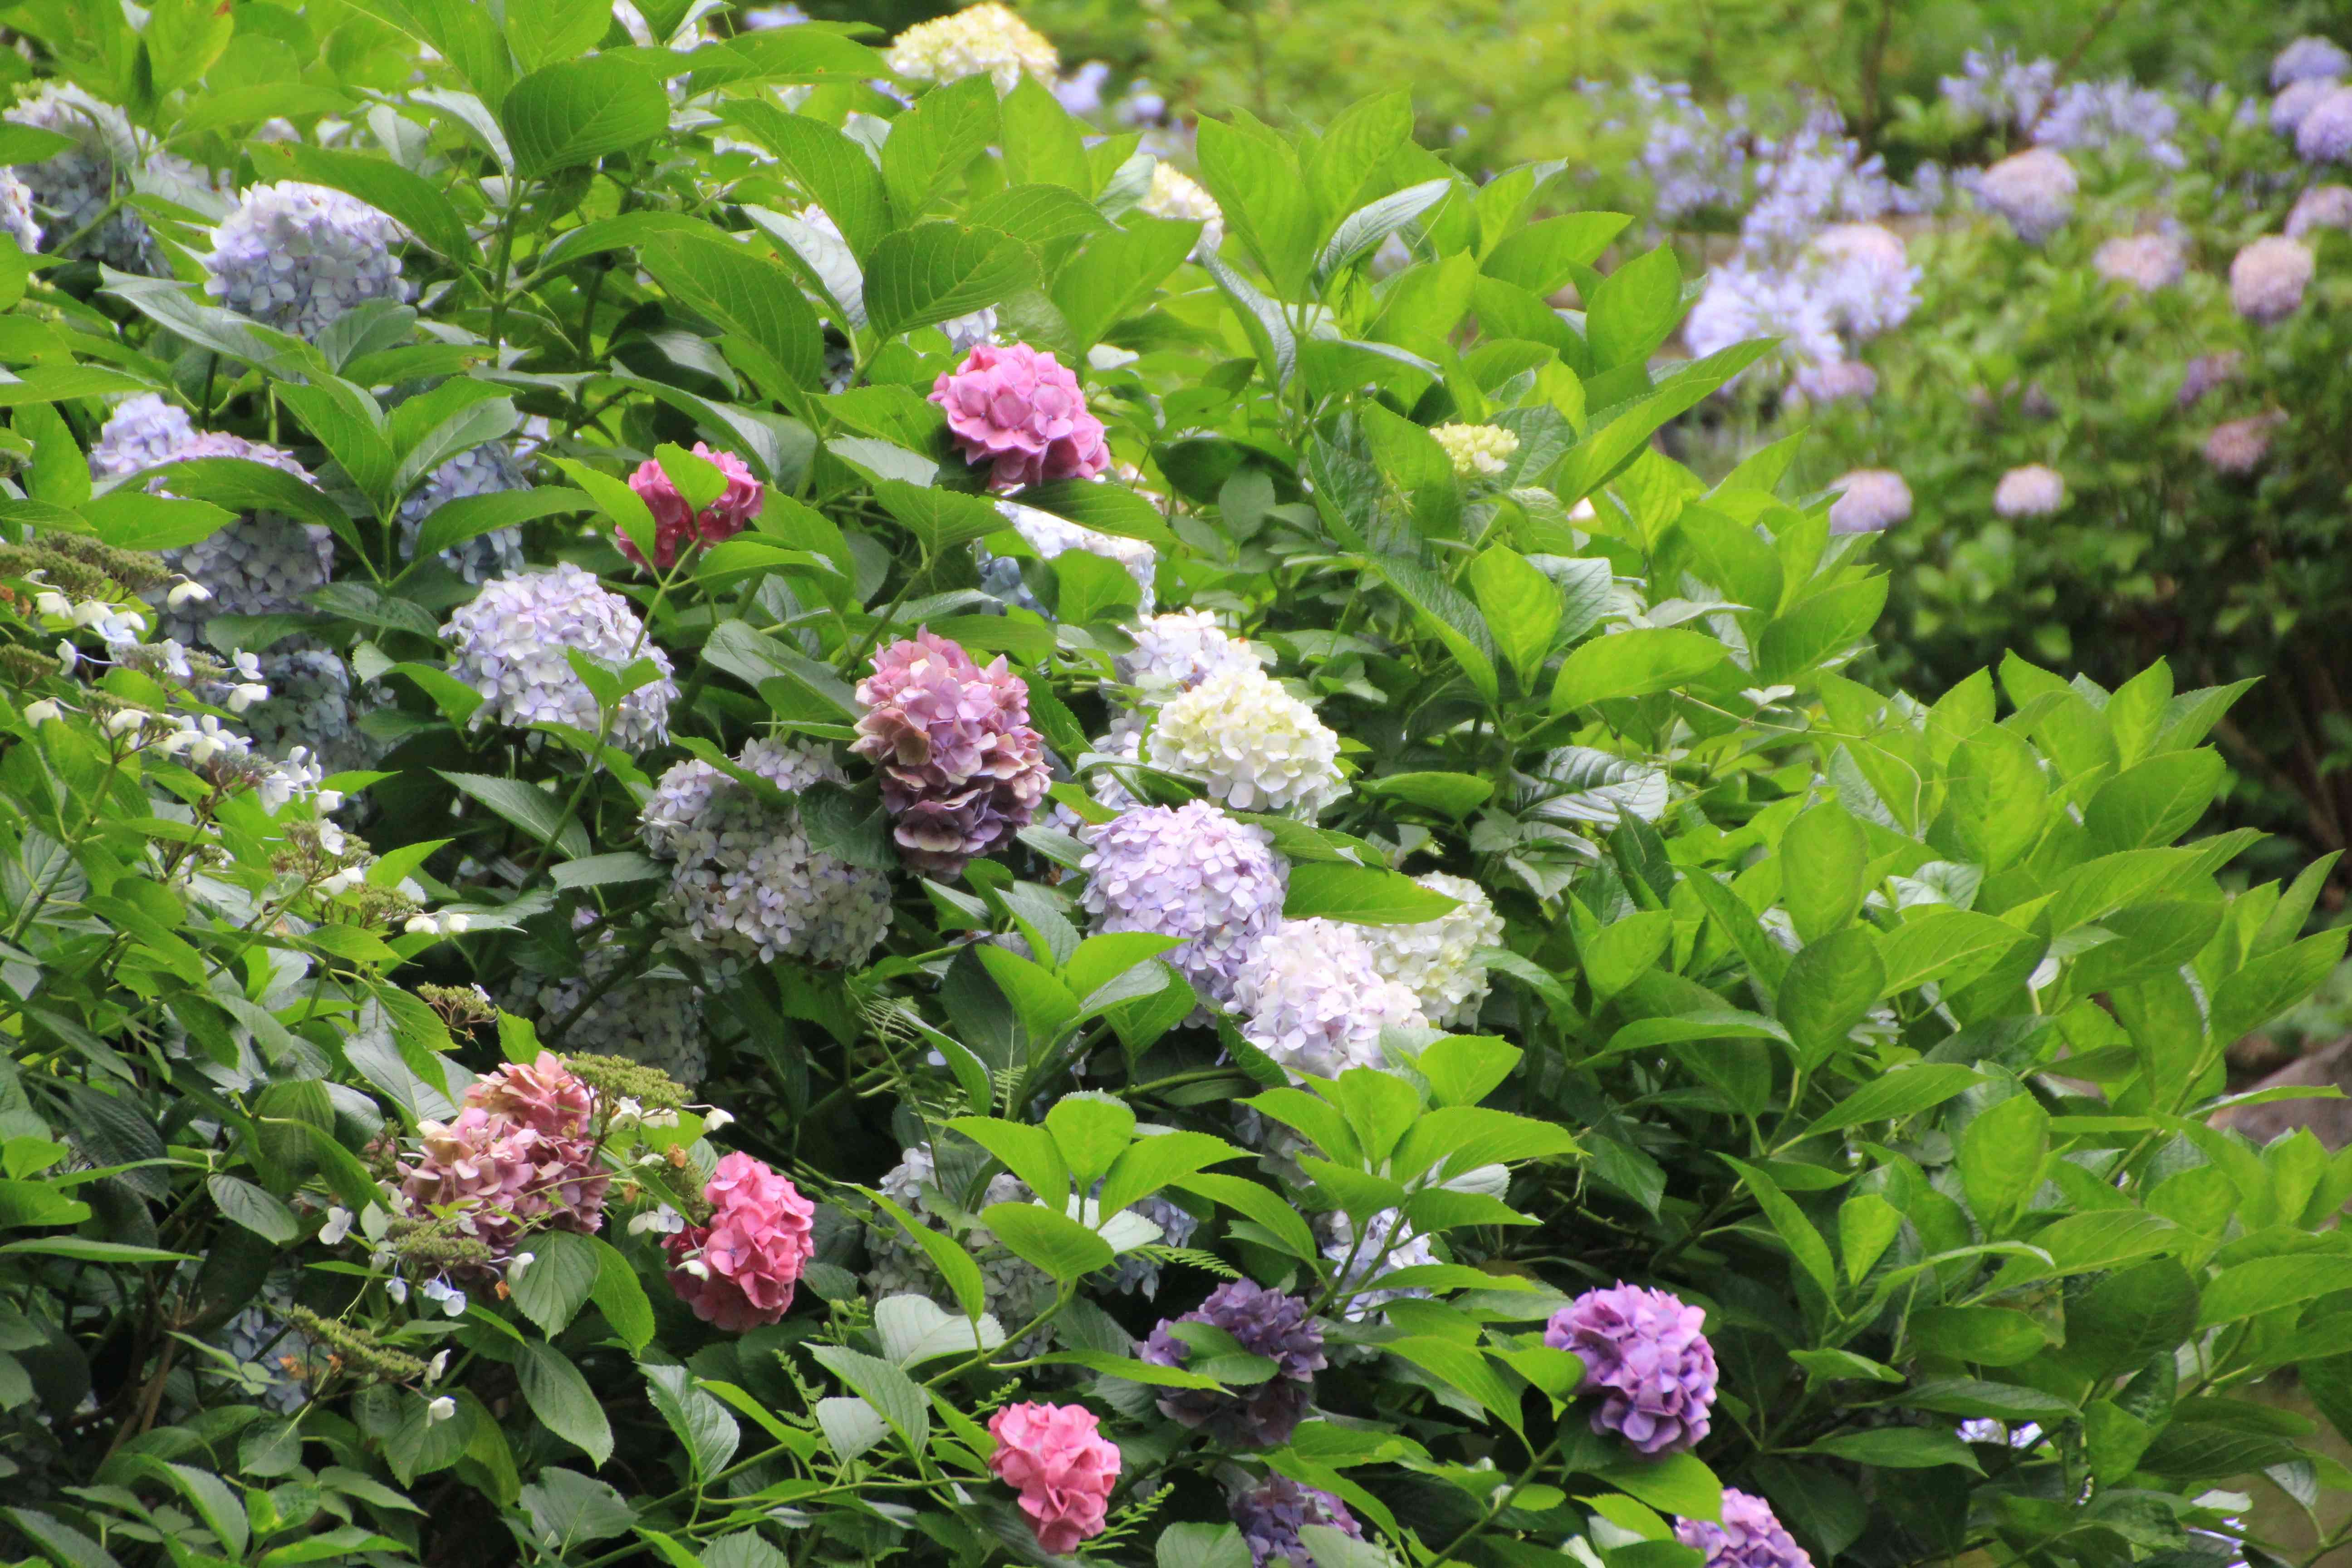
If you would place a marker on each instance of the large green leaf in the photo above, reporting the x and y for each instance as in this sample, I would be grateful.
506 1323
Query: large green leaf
933 272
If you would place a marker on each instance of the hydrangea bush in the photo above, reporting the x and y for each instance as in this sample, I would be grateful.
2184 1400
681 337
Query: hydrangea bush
1454 1031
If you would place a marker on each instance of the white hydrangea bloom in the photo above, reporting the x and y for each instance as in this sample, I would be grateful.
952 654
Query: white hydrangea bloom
745 882
1477 451
985 39
297 256
1176 195
1437 959
483 470
2268 276
1872 499
17 216
1384 1252
2033 490
2034 190
512 640
1049 536
1252 744
1188 871
653 1019
71 190
1312 997
2143 261
1838 379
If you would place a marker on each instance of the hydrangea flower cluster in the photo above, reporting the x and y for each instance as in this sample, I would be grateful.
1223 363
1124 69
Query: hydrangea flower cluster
2143 261
1177 195
1021 412
520 1156
1645 1354
1477 451
2292 106
1252 744
655 1020
2001 89
962 770
2090 116
738 1272
744 882
18 220
2321 206
1750 1536
1694 165
264 1346
142 433
263 563
1312 997
1389 1246
1437 959
1015 1290
2268 276
2309 59
1050 536
2239 446
2033 490
1056 1457
1176 652
1188 871
298 257
2032 190
511 643
1874 499
2207 372
1264 1323
73 191
1865 277
2324 135
1271 1513
679 526
984 38
1135 1274
310 706
487 469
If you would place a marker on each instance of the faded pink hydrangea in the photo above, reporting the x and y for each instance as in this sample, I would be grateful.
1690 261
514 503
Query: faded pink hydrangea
2239 446
962 770
678 525
738 1272
1057 1458
500 1179
1022 413
544 1096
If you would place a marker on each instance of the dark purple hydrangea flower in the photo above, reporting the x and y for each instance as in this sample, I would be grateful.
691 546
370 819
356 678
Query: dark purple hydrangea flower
1643 1354
1272 1514
1263 1322
962 770
1750 1536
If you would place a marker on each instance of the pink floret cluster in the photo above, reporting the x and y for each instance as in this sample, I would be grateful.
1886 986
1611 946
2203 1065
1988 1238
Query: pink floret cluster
1022 413
738 1272
1065 1469
678 525
518 1157
962 770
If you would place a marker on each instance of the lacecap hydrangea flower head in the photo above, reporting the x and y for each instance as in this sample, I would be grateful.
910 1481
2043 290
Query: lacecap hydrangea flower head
738 1272
987 39
1312 997
297 257
1750 1536
2268 276
1056 1457
962 770
2034 190
1477 451
2033 490
511 643
1645 1354
1271 1513
677 524
1263 1322
1251 744
1437 959
1022 413
1188 871
1872 501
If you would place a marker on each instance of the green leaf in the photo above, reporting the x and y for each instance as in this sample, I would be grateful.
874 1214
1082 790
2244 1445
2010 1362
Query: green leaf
1114 273
1826 625
1455 619
2261 1285
552 31
562 1400
1829 988
1898 1448
1988 1336
1464 1368
1361 232
1824 860
1900 1094
533 810
2149 806
826 163
947 1255
885 1387
1804 1243
620 1296
1544 258
1455 795
1091 1129
754 300
2268 985
1282 1223
1254 177
1063 1249
931 144
1996 1401
558 1280
1635 309
256 1210
1632 664
1360 894
2002 1152
575 112
709 1434
183 37
1672 1483
933 272
1521 606
414 202
1948 946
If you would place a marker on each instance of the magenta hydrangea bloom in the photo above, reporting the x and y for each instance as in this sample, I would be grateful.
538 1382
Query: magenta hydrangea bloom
544 1096
1750 1536
1644 1354
1064 1467
678 525
962 770
738 1272
500 1179
1265 1322
1272 1514
1022 413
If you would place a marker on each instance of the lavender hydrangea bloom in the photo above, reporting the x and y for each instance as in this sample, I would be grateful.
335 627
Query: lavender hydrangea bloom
297 256
1644 1354
1999 88
1052 536
2207 372
485 470
1262 1322
73 190
2035 489
1134 1273
1271 1513
2268 276
1313 998
2034 190
653 1017
2321 206
142 433
2291 108
2325 134
1190 872
310 706
263 563
1873 500
2308 58
2096 115
1178 651
1695 165
1750 1536
513 642
2146 262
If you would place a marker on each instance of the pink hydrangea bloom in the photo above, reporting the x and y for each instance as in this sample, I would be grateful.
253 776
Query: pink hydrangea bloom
1021 412
677 524
544 1096
501 1179
1064 1467
738 1272
962 770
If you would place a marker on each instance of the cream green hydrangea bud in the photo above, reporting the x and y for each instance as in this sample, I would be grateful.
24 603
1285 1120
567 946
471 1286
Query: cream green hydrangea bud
1256 746
1176 195
987 37
1477 451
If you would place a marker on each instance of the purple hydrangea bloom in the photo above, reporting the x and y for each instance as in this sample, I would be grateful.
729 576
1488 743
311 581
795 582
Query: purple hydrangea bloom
1263 1322
962 770
1190 872
296 257
2325 134
1750 1536
1271 1513
2309 60
1643 1352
